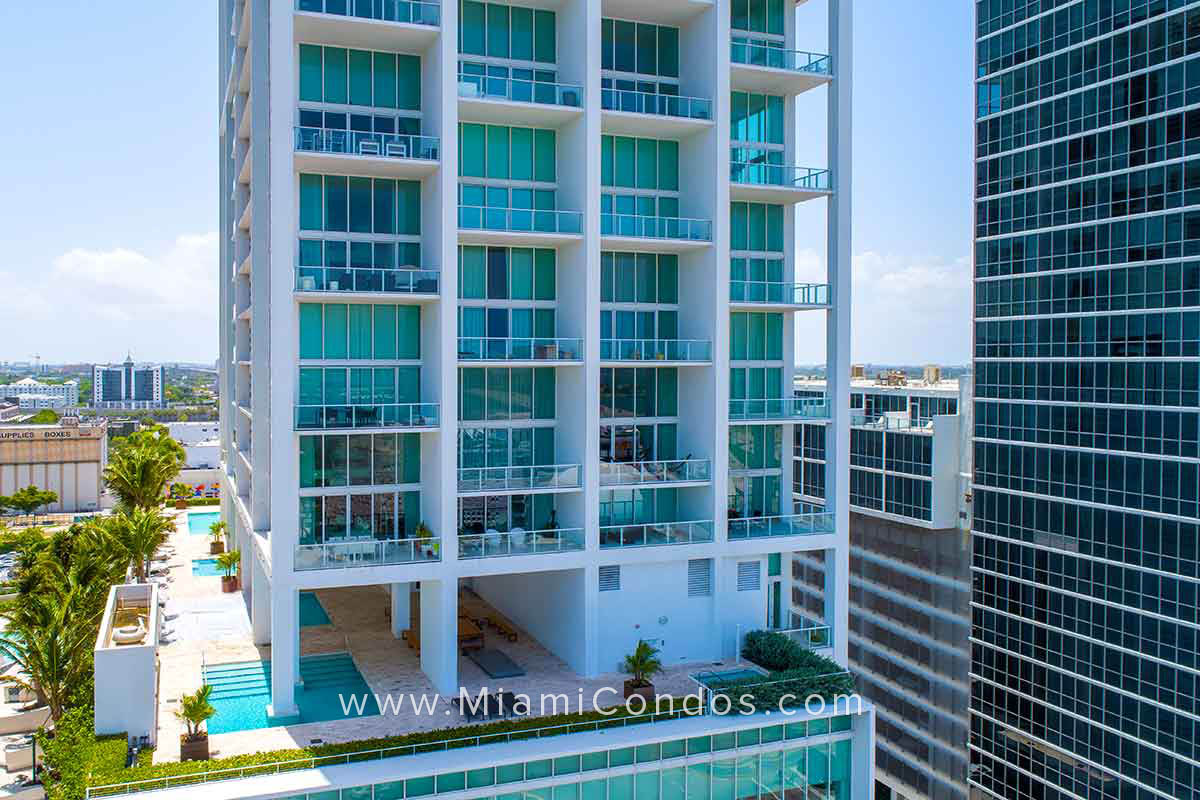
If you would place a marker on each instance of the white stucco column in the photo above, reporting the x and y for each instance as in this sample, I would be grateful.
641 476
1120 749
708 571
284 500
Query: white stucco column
285 649
400 608
439 634
260 602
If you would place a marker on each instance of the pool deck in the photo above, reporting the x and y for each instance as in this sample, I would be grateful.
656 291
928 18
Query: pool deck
214 628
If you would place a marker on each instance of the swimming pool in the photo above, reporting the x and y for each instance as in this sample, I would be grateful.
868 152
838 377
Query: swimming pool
311 611
206 568
199 521
242 692
711 679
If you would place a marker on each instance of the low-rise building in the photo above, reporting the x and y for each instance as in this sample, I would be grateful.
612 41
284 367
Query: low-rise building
202 445
31 393
67 459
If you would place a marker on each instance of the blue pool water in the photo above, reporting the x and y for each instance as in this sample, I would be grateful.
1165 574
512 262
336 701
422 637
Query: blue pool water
710 679
198 521
206 568
242 692
311 611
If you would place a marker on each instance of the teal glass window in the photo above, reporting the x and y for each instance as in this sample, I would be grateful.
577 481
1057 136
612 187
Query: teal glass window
359 331
756 227
758 16
755 336
507 32
634 163
361 205
756 118
502 273
639 48
502 393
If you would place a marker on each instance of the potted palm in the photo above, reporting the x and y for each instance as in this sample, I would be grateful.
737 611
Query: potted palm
194 711
641 665
180 493
217 532
229 562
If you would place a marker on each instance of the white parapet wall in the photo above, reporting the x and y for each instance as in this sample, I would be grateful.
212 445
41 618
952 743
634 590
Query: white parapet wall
126 663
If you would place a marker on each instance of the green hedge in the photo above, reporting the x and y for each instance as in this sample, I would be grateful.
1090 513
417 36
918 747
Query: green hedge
204 501
795 673
76 758
88 761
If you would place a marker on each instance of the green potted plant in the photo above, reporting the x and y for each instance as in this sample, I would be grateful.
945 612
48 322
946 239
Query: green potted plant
217 532
641 665
424 537
180 492
194 711
229 563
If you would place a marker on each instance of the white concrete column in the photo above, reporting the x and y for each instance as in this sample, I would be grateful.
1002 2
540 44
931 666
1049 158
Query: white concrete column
260 602
439 634
285 651
400 607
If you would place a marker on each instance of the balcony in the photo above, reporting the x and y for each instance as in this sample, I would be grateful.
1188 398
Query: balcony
391 25
810 523
519 542
543 478
488 98
777 183
672 351
810 634
900 421
744 293
420 284
779 410
367 154
517 226
379 416
656 534
762 66
659 234
641 473
630 112
540 351
366 552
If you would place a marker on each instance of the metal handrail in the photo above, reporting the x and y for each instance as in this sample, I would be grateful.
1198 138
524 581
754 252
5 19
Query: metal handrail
757 54
329 416
520 90
520 220
483 348
511 478
799 294
520 542
758 173
778 408
367 279
699 350
644 227
808 524
630 473
364 143
654 534
365 553
665 105
415 12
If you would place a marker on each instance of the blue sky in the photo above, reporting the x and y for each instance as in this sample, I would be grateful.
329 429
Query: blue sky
109 212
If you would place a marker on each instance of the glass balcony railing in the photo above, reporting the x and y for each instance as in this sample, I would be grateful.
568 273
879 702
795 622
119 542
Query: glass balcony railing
520 90
891 422
663 105
753 173
359 143
758 54
417 13
805 524
518 542
635 225
367 279
800 294
497 349
520 479
787 408
632 473
654 534
367 415
519 220
811 635
699 350
366 552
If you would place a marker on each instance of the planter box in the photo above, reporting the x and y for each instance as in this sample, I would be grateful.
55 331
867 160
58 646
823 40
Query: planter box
216 548
230 584
193 749
181 505
647 692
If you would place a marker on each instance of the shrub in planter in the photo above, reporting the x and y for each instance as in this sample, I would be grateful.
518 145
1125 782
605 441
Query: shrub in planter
229 562
642 664
194 711
217 532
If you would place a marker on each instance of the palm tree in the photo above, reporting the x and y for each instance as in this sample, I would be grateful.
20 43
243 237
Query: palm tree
643 663
136 534
50 640
142 466
195 710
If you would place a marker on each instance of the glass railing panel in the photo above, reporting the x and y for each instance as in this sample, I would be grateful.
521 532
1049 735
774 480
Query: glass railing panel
520 542
629 473
804 294
366 552
635 225
757 54
655 534
889 422
811 635
663 105
520 220
359 143
367 415
519 90
410 11
786 176
656 350
503 479
806 524
779 408
367 279
498 349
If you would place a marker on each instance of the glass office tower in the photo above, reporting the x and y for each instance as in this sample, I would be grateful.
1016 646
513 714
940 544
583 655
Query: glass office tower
1084 663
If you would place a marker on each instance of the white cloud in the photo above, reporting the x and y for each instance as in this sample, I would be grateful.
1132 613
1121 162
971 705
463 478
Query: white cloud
905 310
97 304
